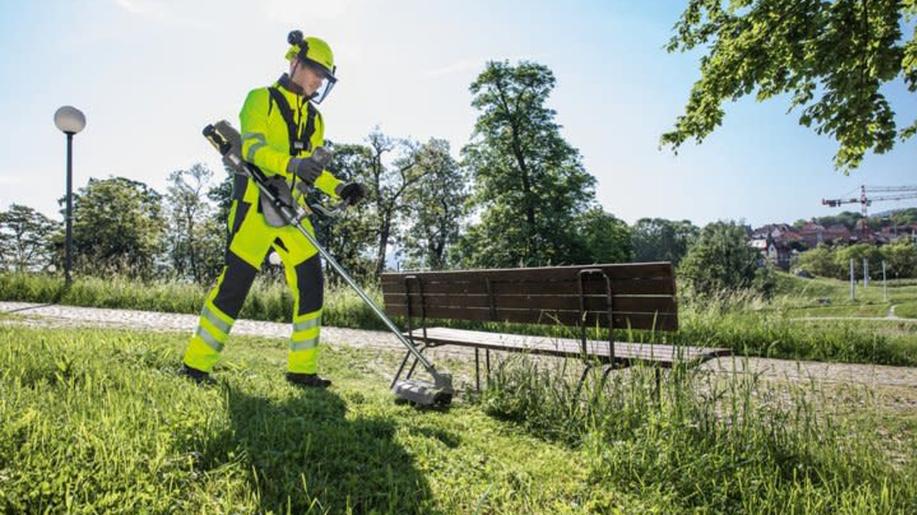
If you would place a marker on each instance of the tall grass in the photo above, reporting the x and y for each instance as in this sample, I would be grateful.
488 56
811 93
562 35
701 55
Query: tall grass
96 421
267 300
746 323
708 443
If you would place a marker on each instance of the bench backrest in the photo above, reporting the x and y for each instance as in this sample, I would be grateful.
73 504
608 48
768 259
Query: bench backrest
642 295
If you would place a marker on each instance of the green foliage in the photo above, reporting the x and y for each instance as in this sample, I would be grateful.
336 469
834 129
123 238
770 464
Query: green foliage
721 260
118 227
849 219
530 184
821 261
900 257
606 238
858 253
27 239
658 239
831 58
196 241
437 207
389 169
351 237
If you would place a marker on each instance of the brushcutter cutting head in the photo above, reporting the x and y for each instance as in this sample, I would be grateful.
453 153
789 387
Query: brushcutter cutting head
424 393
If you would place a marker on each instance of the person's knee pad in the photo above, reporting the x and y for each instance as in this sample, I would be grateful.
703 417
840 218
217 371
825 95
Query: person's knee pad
237 280
310 283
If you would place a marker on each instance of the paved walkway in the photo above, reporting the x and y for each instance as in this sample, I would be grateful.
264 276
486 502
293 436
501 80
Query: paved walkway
69 316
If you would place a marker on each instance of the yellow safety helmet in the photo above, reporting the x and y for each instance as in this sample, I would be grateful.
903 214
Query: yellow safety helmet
316 53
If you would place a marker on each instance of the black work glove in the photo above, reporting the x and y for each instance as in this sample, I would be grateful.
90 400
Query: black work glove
352 192
308 168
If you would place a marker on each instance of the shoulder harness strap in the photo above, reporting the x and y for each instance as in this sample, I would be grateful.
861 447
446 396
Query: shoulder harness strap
298 142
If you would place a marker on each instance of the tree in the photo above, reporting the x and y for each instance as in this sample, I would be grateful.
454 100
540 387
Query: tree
388 185
118 227
351 237
26 239
437 206
849 219
831 57
721 260
658 239
900 258
530 184
195 243
220 195
607 239
820 261
858 252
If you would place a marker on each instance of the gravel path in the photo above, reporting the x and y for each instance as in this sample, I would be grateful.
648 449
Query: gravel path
69 316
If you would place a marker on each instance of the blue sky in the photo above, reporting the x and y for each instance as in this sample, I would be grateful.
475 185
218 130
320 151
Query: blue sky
150 74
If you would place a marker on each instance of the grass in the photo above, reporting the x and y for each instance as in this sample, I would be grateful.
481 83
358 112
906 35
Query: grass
747 324
96 421
906 310
266 300
852 310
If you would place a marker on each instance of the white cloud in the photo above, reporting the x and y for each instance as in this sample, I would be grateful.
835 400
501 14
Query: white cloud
160 11
461 66
298 11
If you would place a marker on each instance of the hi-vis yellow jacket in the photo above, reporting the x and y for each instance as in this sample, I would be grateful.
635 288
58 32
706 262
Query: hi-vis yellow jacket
266 137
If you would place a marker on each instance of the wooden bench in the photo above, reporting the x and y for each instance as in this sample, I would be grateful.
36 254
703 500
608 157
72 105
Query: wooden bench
610 296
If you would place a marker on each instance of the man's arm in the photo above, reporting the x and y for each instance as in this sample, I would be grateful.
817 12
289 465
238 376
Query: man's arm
255 149
329 184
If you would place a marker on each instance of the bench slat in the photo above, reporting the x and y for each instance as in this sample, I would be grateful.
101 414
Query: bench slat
621 320
662 269
663 355
545 286
660 304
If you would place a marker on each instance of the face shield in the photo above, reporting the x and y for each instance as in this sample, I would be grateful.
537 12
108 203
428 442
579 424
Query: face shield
328 82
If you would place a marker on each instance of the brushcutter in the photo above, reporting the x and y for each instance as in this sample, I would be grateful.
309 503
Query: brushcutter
229 144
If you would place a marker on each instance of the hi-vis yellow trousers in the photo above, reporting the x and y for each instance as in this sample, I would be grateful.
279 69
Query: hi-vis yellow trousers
250 239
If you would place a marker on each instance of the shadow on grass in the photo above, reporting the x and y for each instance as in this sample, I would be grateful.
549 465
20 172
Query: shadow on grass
306 456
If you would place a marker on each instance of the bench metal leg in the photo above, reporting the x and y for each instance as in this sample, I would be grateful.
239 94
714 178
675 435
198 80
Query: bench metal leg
477 369
582 379
414 364
404 362
487 364
658 385
608 369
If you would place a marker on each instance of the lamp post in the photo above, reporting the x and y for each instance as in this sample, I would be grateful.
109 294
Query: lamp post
70 121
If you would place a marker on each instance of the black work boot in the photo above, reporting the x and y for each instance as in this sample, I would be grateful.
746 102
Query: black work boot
307 380
198 376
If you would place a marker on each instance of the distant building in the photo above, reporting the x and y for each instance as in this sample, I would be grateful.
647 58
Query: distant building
837 233
775 245
812 233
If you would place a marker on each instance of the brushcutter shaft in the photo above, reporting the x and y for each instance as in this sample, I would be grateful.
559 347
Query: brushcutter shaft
369 302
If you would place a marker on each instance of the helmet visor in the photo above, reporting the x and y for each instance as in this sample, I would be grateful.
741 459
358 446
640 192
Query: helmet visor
323 90
328 81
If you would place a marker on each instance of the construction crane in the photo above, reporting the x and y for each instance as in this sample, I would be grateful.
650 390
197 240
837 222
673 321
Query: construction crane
868 196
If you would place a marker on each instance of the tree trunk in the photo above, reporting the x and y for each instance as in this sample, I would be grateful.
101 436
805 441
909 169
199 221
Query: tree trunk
384 233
